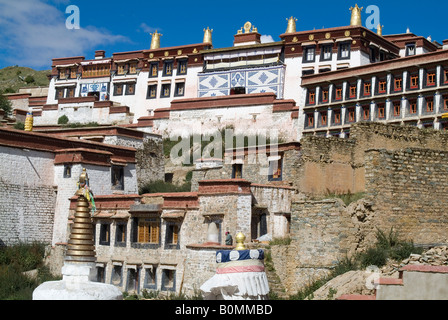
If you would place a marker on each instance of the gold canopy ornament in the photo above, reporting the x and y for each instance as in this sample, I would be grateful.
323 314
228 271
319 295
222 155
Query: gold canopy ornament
155 42
291 25
208 35
356 19
379 30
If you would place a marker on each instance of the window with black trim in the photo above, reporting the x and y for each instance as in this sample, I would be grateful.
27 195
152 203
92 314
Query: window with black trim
168 68
412 107
59 93
366 113
351 115
172 235
67 171
179 90
182 66
352 91
337 93
381 87
105 234
410 49
130 89
237 171
324 95
429 104
398 83
117 174
381 112
323 119
430 79
120 234
396 109
276 170
154 70
414 81
326 52
152 92
166 90
344 51
367 88
309 120
168 280
311 97
309 54
118 89
336 117
151 277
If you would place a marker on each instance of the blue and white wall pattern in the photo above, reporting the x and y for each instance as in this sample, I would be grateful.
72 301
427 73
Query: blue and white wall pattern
255 80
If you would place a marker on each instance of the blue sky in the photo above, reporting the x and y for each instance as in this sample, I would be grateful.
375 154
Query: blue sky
32 32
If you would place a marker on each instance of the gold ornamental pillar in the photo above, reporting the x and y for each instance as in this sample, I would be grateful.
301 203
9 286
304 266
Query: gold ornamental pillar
81 246
356 19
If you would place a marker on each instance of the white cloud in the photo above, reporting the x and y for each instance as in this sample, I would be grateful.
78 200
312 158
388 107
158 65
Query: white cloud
266 38
34 32
147 29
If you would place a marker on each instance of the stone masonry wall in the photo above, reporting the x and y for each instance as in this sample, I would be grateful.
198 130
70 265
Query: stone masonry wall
409 187
26 213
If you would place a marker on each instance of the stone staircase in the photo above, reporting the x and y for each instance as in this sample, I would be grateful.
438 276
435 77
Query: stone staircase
275 285
415 282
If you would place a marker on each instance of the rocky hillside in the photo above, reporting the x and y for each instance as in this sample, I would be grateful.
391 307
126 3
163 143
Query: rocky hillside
13 78
356 282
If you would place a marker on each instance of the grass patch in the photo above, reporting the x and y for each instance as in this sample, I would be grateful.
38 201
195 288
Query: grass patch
14 260
387 246
164 187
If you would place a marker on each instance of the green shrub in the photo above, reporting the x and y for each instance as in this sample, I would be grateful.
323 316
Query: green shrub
164 187
63 119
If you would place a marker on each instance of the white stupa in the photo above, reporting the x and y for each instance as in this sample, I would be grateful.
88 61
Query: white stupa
78 282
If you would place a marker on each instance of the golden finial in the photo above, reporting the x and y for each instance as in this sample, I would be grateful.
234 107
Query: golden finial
379 30
208 35
155 42
247 27
356 19
29 122
240 238
291 25
81 246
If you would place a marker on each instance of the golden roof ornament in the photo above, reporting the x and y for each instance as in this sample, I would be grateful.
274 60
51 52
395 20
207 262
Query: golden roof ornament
240 238
291 25
208 35
356 19
379 30
247 27
155 42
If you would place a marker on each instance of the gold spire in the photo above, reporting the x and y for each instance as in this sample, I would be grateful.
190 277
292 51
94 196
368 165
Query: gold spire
81 246
240 238
29 122
356 19
379 30
155 42
291 25
208 35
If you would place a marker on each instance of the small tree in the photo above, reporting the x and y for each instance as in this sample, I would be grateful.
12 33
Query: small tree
5 104
29 79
